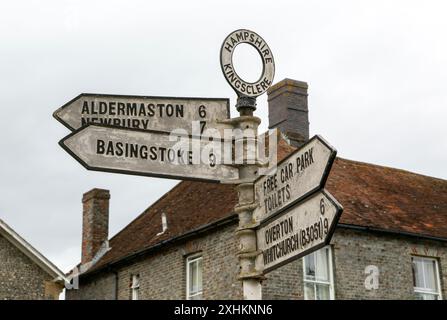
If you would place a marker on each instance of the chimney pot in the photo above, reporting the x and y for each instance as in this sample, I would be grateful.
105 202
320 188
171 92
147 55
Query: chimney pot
288 110
95 222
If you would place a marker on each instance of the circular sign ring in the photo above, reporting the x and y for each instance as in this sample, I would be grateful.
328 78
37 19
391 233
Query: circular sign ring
244 88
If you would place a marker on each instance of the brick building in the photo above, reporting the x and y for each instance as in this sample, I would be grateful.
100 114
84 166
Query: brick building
25 274
390 242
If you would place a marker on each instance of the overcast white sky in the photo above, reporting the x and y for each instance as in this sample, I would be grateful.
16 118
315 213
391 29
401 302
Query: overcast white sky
377 72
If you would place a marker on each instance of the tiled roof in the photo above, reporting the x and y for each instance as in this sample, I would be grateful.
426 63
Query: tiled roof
372 196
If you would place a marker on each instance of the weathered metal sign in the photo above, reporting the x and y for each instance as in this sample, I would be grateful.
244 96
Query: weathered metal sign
145 113
298 231
299 175
244 88
147 153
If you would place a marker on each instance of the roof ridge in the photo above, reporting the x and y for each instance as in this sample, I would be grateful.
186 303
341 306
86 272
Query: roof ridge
392 168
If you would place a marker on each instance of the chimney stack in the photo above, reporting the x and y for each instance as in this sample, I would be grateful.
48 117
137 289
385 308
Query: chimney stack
288 110
95 222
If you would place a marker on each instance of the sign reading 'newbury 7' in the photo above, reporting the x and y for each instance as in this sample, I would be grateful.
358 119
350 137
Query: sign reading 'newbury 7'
302 173
145 113
302 229
147 153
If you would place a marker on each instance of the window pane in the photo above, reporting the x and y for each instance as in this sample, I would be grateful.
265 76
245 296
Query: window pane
318 275
135 294
322 292
199 275
426 296
418 275
429 275
135 281
322 265
309 267
309 291
193 277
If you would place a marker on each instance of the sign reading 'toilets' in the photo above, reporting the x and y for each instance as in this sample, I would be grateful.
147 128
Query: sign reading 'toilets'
302 173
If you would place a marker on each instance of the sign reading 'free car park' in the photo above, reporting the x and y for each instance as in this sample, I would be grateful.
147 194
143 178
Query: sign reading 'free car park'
302 173
145 113
148 153
297 231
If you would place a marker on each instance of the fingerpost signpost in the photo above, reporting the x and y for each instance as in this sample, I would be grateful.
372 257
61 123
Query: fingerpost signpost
284 211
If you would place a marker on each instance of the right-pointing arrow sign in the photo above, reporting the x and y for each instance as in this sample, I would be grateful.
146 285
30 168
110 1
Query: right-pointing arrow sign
304 228
302 173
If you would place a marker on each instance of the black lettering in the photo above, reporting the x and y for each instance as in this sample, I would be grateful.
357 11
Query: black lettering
119 149
150 109
153 153
143 152
110 151
85 108
121 108
100 146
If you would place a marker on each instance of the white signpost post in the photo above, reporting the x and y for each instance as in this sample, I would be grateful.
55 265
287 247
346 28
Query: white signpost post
299 175
145 113
148 153
295 232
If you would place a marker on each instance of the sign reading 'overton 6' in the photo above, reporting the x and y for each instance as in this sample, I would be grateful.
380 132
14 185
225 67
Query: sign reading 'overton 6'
298 231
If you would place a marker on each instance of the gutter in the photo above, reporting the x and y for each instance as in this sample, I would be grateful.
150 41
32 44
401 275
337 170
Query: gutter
233 218
385 231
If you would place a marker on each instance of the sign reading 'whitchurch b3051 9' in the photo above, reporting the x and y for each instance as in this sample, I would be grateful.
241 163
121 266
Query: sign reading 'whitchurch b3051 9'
294 233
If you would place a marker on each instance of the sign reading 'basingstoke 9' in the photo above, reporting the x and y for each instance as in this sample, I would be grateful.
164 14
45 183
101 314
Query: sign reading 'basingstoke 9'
244 88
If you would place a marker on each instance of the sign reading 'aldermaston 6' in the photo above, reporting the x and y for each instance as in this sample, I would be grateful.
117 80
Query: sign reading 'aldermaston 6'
303 172
141 112
294 233
147 153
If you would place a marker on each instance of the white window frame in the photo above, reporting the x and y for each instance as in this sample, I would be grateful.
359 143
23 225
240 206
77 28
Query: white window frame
135 287
437 277
315 282
189 261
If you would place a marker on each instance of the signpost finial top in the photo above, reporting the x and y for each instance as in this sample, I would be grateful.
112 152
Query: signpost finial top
247 91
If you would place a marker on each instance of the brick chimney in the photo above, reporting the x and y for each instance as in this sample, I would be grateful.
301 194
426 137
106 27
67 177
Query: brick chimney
95 222
288 110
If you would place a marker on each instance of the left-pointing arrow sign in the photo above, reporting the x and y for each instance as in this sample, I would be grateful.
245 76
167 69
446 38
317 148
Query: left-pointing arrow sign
148 153
143 112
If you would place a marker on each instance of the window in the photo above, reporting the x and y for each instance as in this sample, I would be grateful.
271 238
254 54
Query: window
135 287
194 278
426 278
318 278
